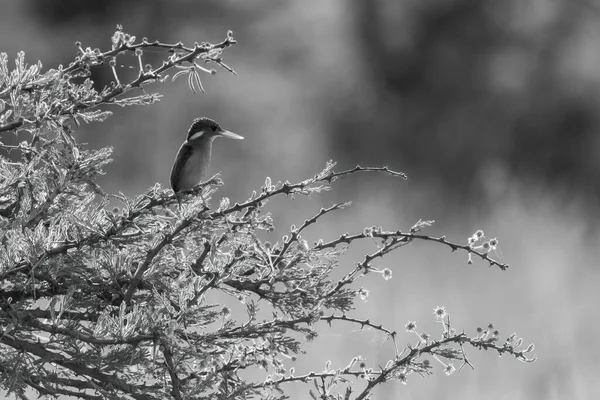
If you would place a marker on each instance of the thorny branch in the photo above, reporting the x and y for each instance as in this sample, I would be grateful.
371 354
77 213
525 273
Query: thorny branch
406 236
402 366
361 322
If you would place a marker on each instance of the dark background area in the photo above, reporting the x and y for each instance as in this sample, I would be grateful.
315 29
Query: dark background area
489 106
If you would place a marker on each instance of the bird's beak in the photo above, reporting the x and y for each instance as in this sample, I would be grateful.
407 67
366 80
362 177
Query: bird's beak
230 135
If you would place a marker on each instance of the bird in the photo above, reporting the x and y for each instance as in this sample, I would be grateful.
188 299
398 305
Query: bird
193 157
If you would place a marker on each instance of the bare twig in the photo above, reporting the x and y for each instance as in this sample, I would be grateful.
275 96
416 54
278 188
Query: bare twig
361 322
288 188
307 223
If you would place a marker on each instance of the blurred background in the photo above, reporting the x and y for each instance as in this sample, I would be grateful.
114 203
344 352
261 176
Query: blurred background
489 106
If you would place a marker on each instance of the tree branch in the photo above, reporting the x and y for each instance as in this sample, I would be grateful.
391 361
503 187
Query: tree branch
175 381
57 330
405 236
288 188
75 366
168 237
361 322
40 385
11 125
307 223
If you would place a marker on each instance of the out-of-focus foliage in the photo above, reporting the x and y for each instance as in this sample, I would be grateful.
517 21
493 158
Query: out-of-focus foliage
468 86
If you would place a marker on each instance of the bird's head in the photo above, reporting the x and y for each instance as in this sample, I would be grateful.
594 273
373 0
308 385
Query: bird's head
207 129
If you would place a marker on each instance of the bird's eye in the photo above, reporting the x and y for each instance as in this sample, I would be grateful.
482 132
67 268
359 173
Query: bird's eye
214 128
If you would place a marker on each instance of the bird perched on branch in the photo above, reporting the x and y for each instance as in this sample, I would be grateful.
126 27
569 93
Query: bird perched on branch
193 157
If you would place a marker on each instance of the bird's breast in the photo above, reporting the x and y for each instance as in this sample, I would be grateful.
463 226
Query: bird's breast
190 166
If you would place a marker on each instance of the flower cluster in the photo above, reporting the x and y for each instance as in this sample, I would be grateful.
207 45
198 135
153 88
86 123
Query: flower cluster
477 241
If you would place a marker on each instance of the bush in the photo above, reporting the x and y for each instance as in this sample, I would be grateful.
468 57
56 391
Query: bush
112 303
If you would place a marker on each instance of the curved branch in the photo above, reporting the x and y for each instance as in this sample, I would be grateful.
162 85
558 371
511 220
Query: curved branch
406 236
287 188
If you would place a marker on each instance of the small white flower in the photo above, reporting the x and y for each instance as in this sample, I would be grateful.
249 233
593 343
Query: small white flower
364 294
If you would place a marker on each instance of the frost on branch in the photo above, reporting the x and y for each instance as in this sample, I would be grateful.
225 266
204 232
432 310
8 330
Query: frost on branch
98 301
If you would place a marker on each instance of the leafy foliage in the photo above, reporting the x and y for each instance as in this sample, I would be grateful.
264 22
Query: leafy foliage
115 303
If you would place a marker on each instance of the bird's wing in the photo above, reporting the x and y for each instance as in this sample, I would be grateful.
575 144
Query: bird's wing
184 153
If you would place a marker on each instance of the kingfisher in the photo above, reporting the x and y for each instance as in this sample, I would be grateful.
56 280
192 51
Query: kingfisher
193 156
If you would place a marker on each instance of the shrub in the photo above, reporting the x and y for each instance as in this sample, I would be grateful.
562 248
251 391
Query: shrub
113 303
